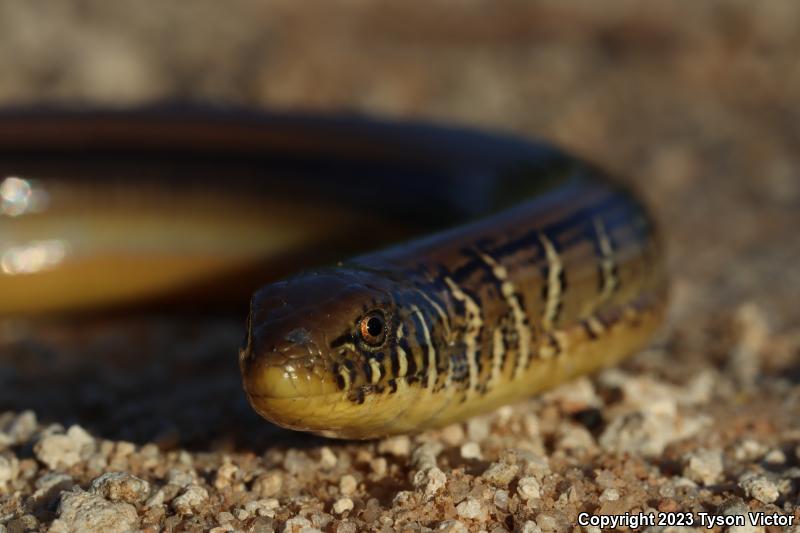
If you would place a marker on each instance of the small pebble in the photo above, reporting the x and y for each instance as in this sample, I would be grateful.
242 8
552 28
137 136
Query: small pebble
399 446
193 499
703 466
297 524
90 513
609 495
348 485
759 487
471 450
501 499
320 519
148 457
50 484
9 469
155 500
530 527
297 462
575 437
605 478
504 414
342 505
150 451
577 395
403 498
700 388
424 456
327 459
363 455
453 435
532 427
65 450
227 474
740 509
547 523
472 509
749 450
430 481
268 485
121 486
379 466
181 478
185 458
452 526
528 488
477 428
744 359
18 429
775 457
500 473
346 526
105 448
535 465
264 507
26 522
571 495
648 431
124 449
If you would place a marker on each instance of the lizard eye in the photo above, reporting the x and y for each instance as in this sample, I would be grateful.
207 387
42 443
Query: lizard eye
372 329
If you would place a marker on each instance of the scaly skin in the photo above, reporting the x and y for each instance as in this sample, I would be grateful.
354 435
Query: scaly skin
474 318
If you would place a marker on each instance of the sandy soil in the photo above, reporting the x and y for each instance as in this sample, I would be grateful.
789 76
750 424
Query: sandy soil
141 424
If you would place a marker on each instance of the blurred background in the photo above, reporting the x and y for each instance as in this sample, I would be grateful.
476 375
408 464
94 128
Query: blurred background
695 104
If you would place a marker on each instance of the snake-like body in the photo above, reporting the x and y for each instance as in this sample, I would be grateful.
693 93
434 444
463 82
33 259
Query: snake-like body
541 268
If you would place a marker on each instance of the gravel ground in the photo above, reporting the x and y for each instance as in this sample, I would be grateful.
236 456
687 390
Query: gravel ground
126 424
